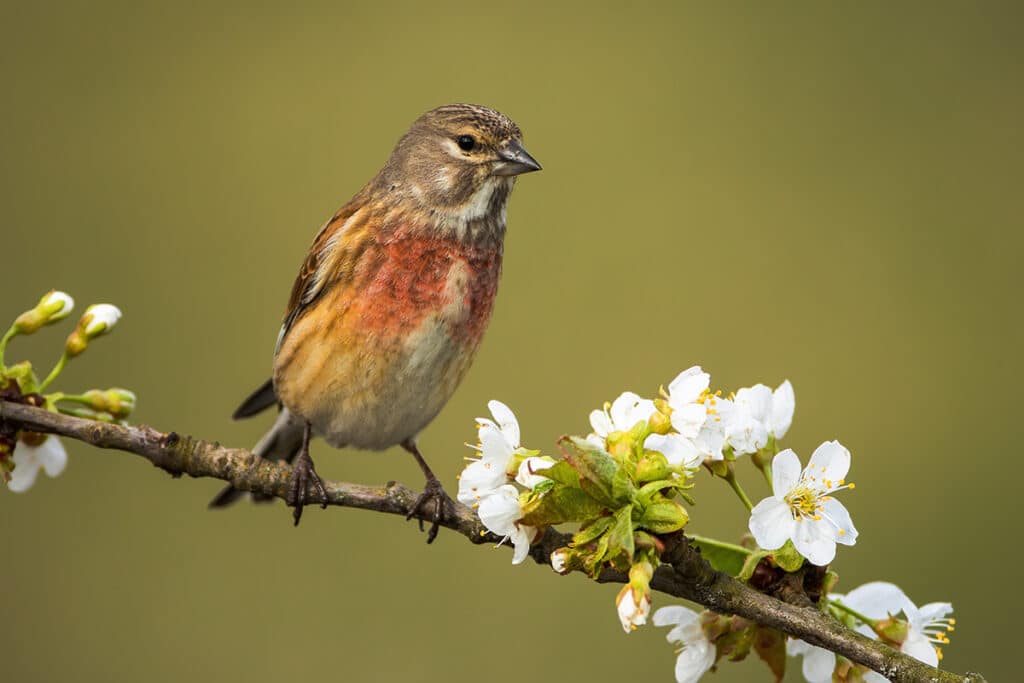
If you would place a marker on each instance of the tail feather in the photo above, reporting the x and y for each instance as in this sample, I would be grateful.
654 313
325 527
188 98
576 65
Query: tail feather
257 402
282 442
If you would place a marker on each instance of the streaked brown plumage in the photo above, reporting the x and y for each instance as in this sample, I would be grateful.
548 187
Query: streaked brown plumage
394 296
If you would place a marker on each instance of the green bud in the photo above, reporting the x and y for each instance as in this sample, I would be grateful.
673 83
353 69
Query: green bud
664 516
661 421
116 402
54 306
893 631
652 467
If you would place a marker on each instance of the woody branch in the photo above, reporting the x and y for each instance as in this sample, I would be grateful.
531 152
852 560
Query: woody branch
685 574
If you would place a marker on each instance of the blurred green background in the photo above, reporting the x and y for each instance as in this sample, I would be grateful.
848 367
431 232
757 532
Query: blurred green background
829 193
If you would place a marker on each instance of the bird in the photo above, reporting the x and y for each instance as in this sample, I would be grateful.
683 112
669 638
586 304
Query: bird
392 300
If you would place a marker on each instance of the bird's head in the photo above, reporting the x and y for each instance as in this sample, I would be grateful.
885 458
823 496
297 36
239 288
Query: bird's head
460 160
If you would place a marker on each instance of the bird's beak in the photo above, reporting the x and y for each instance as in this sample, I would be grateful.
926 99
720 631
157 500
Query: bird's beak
514 160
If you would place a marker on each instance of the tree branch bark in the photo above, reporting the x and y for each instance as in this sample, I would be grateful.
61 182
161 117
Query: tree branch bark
684 573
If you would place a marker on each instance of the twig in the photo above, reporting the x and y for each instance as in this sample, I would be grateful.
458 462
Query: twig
685 574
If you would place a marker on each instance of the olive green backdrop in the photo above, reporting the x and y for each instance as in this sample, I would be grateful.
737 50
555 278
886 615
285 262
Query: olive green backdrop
829 194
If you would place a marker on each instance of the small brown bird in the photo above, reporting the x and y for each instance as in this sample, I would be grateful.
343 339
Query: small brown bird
393 299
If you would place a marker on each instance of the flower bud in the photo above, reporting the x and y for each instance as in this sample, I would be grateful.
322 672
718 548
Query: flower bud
52 307
116 402
652 467
633 602
561 560
97 320
102 318
661 421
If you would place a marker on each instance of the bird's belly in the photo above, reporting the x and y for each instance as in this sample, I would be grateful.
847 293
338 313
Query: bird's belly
395 391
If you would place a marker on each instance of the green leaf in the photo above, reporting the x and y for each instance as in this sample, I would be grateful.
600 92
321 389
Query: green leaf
563 473
723 556
591 531
623 488
560 504
620 536
596 469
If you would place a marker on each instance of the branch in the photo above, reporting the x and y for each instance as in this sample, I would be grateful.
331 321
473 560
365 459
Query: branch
684 573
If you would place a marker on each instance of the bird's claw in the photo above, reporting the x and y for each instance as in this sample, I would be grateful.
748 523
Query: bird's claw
304 474
433 491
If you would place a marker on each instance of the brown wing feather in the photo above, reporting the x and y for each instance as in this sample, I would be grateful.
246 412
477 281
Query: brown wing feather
330 260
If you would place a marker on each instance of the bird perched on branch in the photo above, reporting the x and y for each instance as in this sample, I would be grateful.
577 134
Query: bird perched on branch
392 300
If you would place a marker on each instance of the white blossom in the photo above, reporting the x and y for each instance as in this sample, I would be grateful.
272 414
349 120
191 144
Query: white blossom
927 626
802 508
499 440
500 512
697 653
620 416
28 460
757 413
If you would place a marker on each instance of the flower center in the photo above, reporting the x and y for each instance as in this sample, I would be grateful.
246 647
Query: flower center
709 400
804 501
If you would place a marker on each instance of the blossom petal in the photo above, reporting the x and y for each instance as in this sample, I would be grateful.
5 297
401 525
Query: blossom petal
689 418
919 647
522 536
815 539
818 663
26 468
494 447
601 423
783 405
757 400
506 420
688 386
628 409
836 512
785 472
52 456
830 462
479 479
694 661
877 599
500 510
678 451
675 615
771 523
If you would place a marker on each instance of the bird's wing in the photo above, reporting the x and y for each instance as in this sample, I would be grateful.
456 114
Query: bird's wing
331 260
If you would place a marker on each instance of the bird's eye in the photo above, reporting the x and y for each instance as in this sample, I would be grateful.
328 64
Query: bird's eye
466 142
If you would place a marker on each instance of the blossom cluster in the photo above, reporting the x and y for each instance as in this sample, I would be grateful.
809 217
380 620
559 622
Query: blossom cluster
625 482
22 457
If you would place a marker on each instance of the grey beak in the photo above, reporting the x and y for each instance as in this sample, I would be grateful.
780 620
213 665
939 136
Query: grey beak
514 160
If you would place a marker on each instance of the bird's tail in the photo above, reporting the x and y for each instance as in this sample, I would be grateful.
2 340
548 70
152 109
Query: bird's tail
282 442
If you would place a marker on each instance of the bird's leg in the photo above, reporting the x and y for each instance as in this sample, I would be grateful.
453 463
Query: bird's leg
304 474
432 491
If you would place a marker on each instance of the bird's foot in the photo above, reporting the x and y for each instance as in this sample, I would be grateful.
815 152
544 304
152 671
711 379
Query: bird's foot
436 501
304 474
